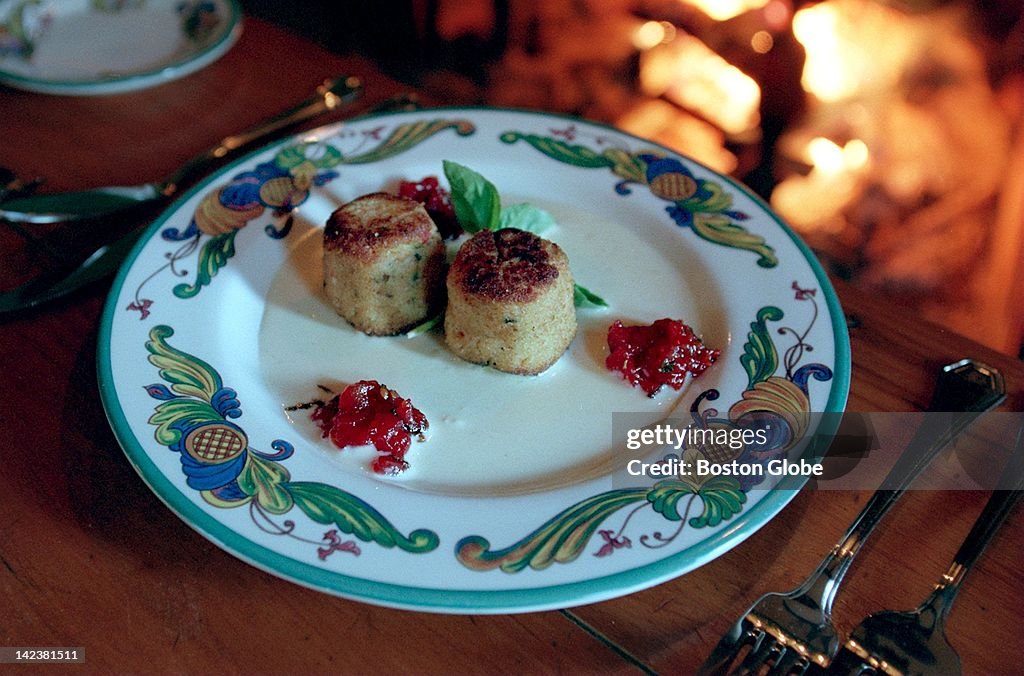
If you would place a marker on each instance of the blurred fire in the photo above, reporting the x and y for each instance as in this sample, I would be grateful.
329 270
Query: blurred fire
895 172
890 133
722 10
687 72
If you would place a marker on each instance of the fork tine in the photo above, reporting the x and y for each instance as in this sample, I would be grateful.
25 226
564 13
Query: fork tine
846 663
732 642
791 663
765 653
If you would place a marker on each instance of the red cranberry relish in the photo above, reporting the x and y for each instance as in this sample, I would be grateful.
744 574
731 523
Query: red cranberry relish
437 201
370 413
662 353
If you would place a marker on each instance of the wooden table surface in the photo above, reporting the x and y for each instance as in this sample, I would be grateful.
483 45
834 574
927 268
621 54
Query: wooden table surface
90 557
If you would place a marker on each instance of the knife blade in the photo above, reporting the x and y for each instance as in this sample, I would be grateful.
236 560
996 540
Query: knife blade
112 201
107 258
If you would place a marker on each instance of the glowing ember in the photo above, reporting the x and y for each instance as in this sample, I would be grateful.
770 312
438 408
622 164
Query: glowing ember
762 42
829 157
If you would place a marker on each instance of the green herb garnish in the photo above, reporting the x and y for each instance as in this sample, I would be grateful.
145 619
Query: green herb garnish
584 297
525 217
475 199
477 206
425 326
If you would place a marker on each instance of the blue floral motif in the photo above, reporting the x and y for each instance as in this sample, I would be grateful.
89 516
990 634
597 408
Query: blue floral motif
192 420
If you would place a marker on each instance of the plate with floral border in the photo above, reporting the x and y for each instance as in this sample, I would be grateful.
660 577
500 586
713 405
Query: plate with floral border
216 332
91 47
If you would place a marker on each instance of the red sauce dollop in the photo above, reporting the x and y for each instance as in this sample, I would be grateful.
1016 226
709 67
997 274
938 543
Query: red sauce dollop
369 413
437 201
659 354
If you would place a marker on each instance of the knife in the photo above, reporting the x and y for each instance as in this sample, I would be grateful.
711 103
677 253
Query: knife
107 258
98 265
111 201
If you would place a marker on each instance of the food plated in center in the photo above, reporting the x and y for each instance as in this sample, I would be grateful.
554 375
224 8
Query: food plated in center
510 302
383 263
509 298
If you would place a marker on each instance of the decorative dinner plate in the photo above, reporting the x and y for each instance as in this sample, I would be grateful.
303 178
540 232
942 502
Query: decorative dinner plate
216 332
84 47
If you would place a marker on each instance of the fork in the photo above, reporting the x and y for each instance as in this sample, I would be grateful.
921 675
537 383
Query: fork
789 632
914 642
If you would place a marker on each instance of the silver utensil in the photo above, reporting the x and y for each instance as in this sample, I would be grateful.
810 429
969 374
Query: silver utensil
102 262
112 201
914 641
788 632
107 257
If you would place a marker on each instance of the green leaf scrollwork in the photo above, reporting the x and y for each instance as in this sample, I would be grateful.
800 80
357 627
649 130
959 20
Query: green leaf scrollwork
760 359
722 498
329 505
187 375
560 540
719 229
665 496
576 155
407 135
266 481
563 538
214 255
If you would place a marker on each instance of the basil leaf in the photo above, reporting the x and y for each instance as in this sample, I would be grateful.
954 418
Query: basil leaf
525 217
477 206
584 297
474 198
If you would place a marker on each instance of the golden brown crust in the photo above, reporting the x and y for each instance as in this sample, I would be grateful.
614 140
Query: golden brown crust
510 302
508 265
373 223
384 264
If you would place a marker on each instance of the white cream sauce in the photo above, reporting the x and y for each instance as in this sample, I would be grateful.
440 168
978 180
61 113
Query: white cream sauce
491 432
